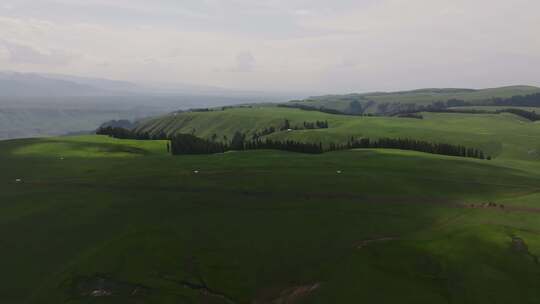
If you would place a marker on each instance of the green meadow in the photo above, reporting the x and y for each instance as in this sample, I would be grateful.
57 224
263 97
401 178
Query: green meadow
92 219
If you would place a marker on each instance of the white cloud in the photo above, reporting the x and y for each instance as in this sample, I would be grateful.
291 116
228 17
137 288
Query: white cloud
22 54
342 45
245 62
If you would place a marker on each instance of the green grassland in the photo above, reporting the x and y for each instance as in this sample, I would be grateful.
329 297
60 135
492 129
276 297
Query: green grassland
93 213
504 136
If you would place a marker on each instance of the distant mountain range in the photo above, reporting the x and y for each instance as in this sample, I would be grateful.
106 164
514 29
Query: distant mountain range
14 84
33 85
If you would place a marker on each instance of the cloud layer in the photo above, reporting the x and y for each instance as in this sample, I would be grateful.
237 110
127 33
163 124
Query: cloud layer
293 45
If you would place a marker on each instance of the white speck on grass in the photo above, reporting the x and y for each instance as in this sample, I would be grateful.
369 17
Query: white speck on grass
196 171
18 180
338 171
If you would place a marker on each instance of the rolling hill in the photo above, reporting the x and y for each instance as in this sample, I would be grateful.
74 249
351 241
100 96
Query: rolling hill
501 135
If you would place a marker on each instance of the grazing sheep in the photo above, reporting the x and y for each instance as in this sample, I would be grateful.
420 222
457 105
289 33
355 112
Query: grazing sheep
18 180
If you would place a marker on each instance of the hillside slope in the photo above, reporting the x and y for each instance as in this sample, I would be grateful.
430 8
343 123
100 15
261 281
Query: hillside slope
500 135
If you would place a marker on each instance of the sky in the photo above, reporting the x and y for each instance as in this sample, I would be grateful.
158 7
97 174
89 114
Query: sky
337 46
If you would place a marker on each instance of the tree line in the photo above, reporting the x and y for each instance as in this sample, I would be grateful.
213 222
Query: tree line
182 144
286 126
191 144
531 100
413 145
316 125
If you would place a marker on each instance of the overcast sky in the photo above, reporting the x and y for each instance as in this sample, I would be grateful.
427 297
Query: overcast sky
278 45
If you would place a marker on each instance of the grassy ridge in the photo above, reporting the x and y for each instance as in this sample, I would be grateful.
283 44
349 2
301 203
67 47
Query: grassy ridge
371 101
428 96
254 225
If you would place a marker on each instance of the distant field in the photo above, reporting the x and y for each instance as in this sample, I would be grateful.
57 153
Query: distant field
425 96
93 214
372 102
492 108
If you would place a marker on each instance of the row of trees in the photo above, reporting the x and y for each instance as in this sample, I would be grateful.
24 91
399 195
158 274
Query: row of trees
316 125
532 100
191 144
117 132
286 125
305 125
413 145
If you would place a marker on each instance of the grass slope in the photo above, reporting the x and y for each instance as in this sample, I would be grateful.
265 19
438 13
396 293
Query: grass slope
505 136
262 226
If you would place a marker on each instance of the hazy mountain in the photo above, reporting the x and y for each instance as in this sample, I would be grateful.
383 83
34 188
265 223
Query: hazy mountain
51 104
13 84
33 85
125 87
